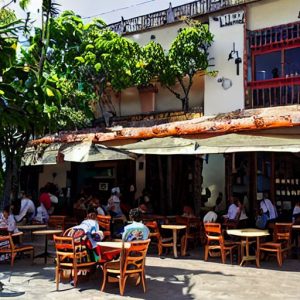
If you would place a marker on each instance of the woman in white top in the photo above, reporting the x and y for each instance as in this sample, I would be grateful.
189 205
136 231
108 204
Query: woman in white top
113 204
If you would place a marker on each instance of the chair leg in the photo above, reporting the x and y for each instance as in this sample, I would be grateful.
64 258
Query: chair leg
75 278
206 253
279 258
57 277
104 279
223 256
143 277
13 256
122 283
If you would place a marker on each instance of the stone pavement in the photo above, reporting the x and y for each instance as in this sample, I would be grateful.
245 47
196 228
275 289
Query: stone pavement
168 278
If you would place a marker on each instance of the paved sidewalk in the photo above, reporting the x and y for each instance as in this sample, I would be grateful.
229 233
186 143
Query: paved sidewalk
168 278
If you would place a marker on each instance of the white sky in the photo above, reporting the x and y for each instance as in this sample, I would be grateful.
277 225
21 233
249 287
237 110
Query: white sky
109 10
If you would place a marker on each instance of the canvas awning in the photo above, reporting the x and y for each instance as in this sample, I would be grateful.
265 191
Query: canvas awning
88 152
163 146
227 143
35 156
239 142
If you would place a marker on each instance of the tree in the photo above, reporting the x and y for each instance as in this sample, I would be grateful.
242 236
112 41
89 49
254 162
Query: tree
187 55
38 90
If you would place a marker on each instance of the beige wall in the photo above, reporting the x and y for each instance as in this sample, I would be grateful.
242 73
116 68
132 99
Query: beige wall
269 13
216 99
61 174
213 177
163 35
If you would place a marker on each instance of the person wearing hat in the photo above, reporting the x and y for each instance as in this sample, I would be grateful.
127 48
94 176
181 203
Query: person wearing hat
136 230
113 204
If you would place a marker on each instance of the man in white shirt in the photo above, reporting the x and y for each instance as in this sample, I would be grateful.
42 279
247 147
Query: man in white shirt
268 208
210 217
232 209
27 208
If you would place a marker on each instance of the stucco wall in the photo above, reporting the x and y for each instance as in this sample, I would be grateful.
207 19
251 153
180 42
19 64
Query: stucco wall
61 174
269 13
214 177
216 99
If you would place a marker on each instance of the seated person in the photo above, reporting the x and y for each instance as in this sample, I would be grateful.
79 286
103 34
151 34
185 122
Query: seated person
27 209
232 209
113 204
210 217
296 213
42 215
136 230
188 212
87 233
241 216
8 221
261 219
96 205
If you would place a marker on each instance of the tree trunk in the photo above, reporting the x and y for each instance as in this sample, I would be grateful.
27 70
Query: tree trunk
8 178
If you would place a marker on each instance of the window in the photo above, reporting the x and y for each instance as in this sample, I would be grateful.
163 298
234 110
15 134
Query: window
277 64
268 66
292 63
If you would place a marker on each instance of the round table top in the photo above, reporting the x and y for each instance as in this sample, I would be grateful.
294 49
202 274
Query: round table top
296 226
17 233
32 227
248 232
116 245
47 231
171 226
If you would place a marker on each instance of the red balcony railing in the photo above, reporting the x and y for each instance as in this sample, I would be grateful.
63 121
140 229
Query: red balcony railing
274 92
274 36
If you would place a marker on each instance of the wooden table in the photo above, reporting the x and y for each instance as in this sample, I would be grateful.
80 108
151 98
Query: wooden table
175 229
246 234
115 245
46 233
32 227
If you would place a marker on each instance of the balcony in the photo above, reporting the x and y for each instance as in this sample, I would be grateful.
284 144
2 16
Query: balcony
173 14
273 92
274 37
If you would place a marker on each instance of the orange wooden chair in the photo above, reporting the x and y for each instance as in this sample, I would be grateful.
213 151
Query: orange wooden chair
155 234
216 245
70 256
105 225
57 222
281 243
192 233
130 264
7 246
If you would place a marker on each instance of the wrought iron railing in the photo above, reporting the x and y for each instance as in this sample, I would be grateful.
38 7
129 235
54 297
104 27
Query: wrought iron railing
173 14
274 92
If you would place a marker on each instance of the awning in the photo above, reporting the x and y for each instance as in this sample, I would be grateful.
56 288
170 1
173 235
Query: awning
88 152
41 155
163 146
227 143
239 142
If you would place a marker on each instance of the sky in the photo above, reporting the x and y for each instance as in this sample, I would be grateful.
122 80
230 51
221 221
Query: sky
109 10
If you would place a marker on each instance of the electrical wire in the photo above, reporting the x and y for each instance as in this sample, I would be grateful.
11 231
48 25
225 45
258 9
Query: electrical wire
118 9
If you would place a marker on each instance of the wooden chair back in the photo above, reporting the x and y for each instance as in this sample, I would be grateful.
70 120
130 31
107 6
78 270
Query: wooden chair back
134 258
131 264
213 233
215 242
57 222
283 232
70 256
7 246
105 225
